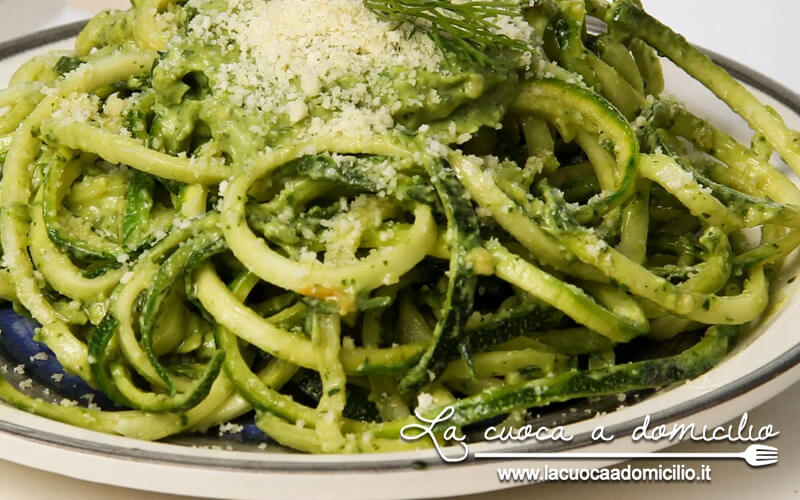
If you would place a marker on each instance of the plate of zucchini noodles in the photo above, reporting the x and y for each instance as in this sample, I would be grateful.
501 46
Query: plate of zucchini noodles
246 242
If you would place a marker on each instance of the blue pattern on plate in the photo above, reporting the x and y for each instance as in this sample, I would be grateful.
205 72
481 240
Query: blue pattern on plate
18 347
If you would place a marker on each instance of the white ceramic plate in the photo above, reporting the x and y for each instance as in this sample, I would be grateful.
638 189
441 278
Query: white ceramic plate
764 364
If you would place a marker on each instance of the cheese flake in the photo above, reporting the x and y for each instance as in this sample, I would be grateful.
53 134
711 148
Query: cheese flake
322 63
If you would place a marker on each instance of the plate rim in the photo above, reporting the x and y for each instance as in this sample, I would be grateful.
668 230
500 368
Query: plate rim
736 388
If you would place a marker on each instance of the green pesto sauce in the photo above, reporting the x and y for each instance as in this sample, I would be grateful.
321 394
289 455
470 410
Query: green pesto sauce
189 109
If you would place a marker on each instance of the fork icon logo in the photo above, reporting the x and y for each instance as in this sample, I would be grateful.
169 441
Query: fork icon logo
756 455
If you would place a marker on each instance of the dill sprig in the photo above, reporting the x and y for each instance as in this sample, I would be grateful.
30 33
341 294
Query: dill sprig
460 30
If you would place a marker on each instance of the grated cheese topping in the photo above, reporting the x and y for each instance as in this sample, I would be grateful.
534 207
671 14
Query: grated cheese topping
77 108
312 58
675 178
324 67
424 401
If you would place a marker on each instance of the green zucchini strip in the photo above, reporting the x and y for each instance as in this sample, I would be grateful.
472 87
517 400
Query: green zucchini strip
338 283
124 150
704 308
15 192
60 174
569 104
625 21
570 299
483 189
465 254
246 324
618 379
326 341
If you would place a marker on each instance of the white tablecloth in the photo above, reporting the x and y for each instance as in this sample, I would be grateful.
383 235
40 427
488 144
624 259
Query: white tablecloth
763 35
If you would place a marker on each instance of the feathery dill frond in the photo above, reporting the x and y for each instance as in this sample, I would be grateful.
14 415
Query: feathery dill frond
461 30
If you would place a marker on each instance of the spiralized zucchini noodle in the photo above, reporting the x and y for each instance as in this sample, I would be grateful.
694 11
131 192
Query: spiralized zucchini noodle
323 216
